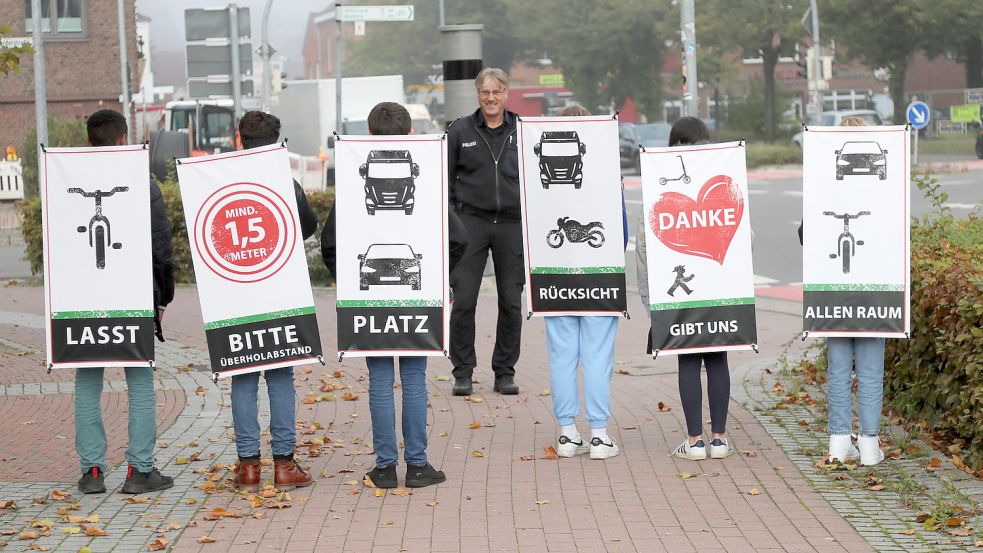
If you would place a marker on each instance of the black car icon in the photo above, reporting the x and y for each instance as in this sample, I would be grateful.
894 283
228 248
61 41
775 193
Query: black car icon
389 180
560 158
389 264
861 158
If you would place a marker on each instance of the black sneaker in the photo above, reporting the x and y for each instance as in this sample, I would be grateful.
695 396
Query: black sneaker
506 385
419 476
384 477
93 481
462 386
143 482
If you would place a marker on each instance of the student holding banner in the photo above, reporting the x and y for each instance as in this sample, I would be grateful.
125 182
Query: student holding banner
692 131
256 129
108 128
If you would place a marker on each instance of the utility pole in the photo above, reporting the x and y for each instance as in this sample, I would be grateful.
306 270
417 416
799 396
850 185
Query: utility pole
691 92
265 54
124 70
817 61
40 91
337 68
236 75
441 4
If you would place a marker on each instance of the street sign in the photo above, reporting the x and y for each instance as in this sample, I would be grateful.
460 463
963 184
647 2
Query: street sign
216 59
203 24
216 87
376 13
16 41
969 113
974 95
918 114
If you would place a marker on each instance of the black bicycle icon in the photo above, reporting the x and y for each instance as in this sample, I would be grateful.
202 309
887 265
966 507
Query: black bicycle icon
684 177
99 236
846 244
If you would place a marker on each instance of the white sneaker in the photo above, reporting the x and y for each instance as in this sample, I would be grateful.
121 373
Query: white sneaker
565 447
870 450
842 449
720 449
695 452
601 450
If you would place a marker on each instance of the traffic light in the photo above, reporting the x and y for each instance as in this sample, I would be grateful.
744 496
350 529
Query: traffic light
800 60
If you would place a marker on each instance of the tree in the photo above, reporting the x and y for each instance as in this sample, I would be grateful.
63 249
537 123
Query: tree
10 55
763 28
958 31
889 39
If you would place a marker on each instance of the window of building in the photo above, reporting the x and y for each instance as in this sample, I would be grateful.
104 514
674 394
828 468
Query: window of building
67 17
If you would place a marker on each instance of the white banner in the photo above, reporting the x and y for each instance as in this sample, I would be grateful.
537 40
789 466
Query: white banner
98 266
249 260
392 259
856 225
698 235
572 219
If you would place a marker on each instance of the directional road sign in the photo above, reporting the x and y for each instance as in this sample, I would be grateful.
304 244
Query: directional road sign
918 114
376 13
203 24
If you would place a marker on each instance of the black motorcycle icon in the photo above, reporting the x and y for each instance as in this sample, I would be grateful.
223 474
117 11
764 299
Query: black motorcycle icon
684 177
576 233
99 236
846 244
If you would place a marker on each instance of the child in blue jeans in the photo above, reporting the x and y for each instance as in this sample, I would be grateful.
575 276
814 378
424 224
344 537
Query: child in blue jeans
571 340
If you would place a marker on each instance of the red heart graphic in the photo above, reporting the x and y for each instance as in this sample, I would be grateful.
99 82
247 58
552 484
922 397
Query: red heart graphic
704 227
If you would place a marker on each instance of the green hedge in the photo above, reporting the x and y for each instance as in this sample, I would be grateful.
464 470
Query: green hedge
760 154
935 379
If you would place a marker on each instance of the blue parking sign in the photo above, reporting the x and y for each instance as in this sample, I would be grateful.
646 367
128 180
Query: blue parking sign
918 114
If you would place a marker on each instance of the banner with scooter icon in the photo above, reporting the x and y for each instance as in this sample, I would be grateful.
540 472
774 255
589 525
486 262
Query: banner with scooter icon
698 237
855 230
573 233
99 295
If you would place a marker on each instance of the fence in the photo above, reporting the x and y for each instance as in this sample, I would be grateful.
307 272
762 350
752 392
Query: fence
309 172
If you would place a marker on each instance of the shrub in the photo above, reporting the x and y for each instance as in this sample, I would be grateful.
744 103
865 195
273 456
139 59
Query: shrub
759 154
62 133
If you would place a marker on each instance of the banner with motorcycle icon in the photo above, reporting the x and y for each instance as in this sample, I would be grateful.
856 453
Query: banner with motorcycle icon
698 235
249 260
572 219
99 296
392 258
856 229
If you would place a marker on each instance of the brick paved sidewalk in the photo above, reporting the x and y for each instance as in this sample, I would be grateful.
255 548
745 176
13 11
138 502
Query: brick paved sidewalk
494 500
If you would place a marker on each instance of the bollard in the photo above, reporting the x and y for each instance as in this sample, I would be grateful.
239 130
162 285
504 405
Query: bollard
460 47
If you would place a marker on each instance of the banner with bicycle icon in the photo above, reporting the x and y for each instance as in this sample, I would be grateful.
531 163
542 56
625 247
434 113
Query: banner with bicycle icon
571 200
392 259
698 238
249 260
99 296
855 228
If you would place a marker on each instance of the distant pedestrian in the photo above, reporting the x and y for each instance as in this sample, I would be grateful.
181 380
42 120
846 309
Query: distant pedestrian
688 131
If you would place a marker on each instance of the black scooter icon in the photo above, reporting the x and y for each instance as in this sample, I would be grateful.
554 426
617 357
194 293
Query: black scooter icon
684 177
98 228
846 244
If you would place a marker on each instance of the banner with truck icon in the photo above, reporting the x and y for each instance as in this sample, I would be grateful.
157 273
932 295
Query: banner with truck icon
392 258
856 229
572 219
98 264
249 259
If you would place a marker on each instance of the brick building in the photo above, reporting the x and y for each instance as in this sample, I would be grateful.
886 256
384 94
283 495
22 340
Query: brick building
82 62
319 44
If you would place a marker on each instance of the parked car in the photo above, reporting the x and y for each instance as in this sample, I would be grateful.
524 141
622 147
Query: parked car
389 264
834 118
861 158
631 136
389 180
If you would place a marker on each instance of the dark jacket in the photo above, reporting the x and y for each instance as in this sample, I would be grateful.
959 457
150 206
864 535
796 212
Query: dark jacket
483 180
456 234
162 254
308 219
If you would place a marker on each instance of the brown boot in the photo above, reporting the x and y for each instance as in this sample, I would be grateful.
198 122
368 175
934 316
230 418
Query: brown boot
248 473
288 474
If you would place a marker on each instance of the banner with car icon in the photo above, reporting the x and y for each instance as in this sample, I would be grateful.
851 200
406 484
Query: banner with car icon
249 260
698 238
392 259
99 296
572 222
855 230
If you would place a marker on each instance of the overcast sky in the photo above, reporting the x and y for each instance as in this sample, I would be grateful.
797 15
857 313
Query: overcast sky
288 20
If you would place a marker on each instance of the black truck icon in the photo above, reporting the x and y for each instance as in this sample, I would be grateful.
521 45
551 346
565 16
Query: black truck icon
389 264
560 158
861 158
389 180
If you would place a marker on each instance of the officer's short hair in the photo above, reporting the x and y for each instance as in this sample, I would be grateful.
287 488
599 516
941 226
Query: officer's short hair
491 73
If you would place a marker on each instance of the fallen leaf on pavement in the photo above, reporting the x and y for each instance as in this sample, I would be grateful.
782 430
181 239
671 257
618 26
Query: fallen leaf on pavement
477 453
909 532
664 408
71 530
934 465
191 501
544 393
474 425
542 501
442 378
431 503
180 460
623 371
876 487
961 533
172 525
200 390
474 399
348 396
205 539
402 492
135 500
931 524
685 475
157 545
380 493
550 453
94 531
527 458
28 535
60 495
754 491
955 521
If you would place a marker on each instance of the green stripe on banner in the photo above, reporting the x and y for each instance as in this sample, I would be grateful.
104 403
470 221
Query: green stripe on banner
111 313
576 270
260 317
700 303
389 303
853 287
